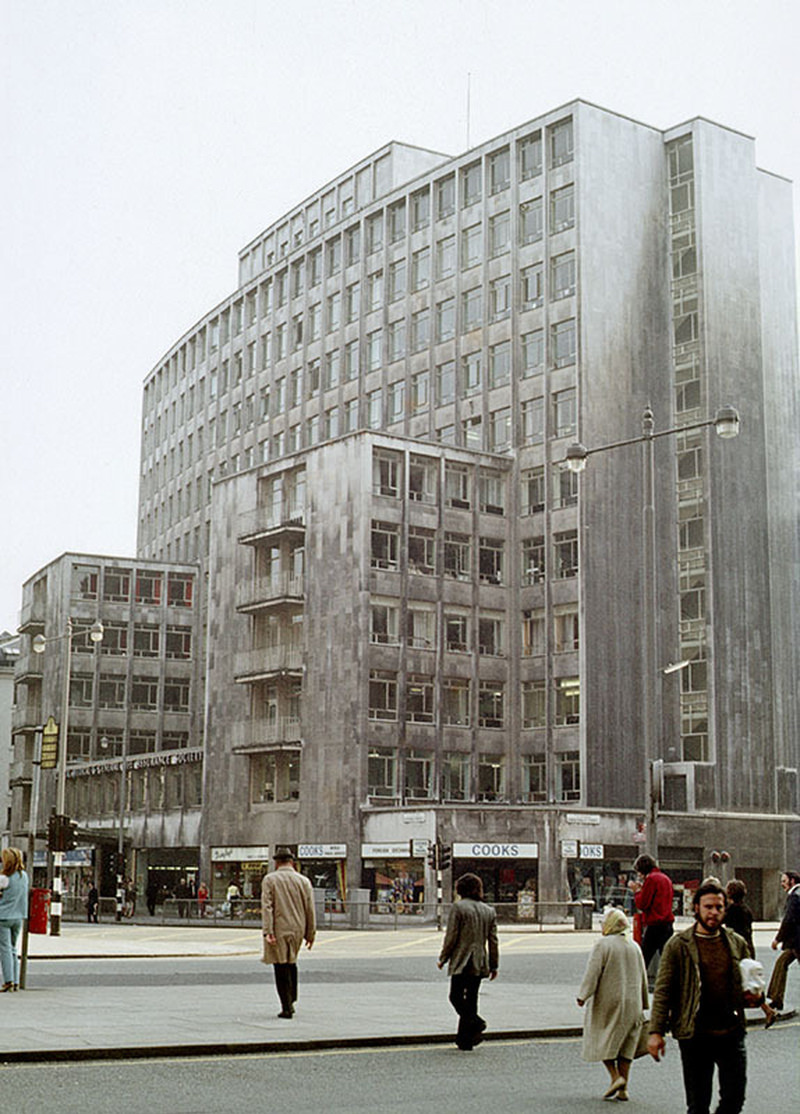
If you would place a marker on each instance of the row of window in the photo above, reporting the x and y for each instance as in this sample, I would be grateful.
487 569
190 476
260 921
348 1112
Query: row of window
151 790
125 586
86 745
429 553
110 690
456 709
459 628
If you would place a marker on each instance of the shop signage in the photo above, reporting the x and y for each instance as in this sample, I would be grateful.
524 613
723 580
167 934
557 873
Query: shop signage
49 756
591 850
239 854
582 818
385 850
414 817
495 850
420 848
322 850
569 848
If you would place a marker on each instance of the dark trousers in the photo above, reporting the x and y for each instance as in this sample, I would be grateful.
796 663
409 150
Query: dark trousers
777 983
698 1058
464 1000
286 985
654 938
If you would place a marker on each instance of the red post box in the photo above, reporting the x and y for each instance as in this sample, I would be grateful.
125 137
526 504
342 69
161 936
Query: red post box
39 911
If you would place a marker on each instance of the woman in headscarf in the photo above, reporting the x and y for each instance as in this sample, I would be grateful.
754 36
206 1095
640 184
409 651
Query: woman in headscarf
615 986
13 911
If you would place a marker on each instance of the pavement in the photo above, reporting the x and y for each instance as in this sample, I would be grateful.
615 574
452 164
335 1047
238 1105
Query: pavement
376 1002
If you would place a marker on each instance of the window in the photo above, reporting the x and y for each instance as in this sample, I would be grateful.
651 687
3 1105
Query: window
490 560
176 696
81 689
533 704
421 627
532 353
115 639
566 554
491 639
445 319
491 777
531 221
274 776
532 485
352 240
458 556
565 488
500 364
470 184
472 432
420 391
396 401
374 232
500 297
455 776
422 479
333 253
500 430
529 156
491 490
382 695
568 772
419 699
445 257
146 641
350 361
564 343
331 423
458 486
375 290
565 622
141 742
332 368
315 268
298 277
500 234
148 587
421 550
534 641
144 694
472 308
386 474
455 702
533 421
533 561
374 409
500 171
384 545
382 772
180 587
397 280
419 774
397 221
562 279
351 415
532 286
420 269
85 582
456 631
384 627
111 691
420 330
117 585
445 197
334 311
562 208
445 383
353 301
561 143
397 340
564 412
471 246
534 778
472 364
178 643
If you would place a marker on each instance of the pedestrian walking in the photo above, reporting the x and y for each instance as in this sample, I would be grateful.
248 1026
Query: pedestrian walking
287 917
92 903
615 988
739 917
470 949
202 899
699 998
151 896
653 899
788 936
14 885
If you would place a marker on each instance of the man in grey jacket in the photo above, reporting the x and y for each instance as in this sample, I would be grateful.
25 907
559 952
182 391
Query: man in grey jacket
698 996
470 946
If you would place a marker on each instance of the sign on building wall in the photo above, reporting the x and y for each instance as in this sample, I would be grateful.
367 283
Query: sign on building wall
239 854
591 850
385 850
582 818
569 848
495 850
322 850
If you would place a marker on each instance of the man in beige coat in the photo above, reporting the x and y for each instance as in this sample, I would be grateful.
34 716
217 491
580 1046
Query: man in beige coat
287 918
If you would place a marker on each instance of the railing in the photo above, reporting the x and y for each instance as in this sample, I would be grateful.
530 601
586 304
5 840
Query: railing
264 520
255 732
266 588
268 659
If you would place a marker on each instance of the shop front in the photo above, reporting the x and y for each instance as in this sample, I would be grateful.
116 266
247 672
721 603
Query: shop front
325 864
394 877
509 873
242 867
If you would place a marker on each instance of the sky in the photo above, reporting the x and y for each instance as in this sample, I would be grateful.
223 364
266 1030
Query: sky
146 141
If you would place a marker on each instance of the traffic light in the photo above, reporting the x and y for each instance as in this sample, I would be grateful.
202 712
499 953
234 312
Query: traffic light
52 833
433 856
61 833
69 830
445 856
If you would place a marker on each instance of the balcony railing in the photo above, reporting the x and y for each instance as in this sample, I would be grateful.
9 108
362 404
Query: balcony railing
269 659
265 521
267 589
255 732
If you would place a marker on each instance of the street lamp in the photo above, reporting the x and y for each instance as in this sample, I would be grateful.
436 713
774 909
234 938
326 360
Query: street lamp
105 743
726 425
95 632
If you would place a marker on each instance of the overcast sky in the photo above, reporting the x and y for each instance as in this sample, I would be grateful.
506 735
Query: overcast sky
145 141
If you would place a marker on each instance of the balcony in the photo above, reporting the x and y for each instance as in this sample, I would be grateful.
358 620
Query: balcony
266 523
28 669
269 591
257 734
270 661
31 619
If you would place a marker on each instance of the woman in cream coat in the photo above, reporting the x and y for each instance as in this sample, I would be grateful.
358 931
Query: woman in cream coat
615 986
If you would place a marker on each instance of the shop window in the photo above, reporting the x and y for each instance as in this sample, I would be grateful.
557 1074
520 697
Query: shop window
534 778
491 777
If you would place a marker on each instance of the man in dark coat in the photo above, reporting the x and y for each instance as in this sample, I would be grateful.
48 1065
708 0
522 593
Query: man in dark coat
788 936
470 946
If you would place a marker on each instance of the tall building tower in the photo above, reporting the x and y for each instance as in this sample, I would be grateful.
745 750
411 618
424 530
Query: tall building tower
475 315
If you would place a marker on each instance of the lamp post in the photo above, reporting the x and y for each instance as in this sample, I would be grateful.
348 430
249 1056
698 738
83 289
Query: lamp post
726 425
95 632
105 743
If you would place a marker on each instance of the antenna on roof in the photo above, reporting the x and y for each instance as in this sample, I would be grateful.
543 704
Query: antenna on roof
469 78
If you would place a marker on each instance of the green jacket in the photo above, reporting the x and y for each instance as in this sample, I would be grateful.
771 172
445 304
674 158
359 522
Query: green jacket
676 998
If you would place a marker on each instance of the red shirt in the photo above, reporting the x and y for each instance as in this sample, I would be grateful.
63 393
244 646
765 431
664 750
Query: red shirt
654 899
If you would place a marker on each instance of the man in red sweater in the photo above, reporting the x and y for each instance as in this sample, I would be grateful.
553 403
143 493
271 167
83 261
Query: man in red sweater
654 901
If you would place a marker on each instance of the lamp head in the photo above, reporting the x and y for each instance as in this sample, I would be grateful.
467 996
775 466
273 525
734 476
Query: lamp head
39 644
576 457
726 421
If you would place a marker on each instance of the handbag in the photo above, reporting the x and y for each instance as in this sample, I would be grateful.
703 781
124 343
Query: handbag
753 984
644 1037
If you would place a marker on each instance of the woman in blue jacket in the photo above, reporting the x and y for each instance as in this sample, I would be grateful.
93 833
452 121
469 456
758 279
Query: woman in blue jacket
13 911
